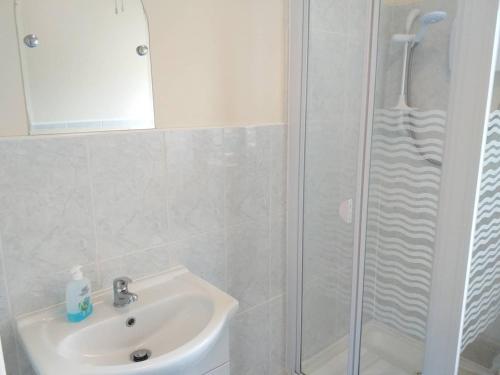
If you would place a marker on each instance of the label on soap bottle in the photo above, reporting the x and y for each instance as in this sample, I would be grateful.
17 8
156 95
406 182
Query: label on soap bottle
79 303
85 309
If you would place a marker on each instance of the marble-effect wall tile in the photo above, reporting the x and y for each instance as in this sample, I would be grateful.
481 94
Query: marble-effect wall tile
249 342
277 336
24 365
5 309
247 167
41 290
138 203
195 181
135 265
248 256
277 261
278 172
46 222
9 347
128 184
204 255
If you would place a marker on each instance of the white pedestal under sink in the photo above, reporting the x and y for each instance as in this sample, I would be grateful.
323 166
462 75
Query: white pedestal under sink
181 319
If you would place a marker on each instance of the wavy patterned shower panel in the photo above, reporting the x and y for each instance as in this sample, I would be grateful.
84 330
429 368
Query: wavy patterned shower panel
483 295
407 150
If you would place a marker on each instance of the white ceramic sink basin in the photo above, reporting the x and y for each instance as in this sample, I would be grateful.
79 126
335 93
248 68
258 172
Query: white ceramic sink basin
178 317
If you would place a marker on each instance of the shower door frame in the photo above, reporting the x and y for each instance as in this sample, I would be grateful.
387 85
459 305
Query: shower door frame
297 83
473 72
463 145
297 106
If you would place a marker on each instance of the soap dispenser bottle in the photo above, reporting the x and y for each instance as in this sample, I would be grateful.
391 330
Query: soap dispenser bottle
78 301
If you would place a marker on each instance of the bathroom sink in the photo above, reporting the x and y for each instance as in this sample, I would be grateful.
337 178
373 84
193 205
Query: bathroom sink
177 319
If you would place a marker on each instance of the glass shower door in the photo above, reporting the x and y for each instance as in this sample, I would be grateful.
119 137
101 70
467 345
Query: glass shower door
480 346
413 100
410 109
333 112
412 297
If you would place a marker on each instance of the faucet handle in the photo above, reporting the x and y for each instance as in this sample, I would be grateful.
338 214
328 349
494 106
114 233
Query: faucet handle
121 282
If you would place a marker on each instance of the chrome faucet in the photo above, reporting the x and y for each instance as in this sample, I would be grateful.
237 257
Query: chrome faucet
122 297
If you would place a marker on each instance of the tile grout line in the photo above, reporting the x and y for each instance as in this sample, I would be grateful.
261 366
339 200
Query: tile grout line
165 244
269 246
93 211
269 213
165 192
269 301
225 233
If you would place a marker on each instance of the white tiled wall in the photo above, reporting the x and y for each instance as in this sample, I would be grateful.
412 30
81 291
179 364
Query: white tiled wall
135 203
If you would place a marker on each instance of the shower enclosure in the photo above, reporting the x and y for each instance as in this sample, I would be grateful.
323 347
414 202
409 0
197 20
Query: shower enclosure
393 227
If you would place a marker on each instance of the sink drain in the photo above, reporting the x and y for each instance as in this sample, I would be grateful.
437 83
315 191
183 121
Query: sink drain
130 322
140 355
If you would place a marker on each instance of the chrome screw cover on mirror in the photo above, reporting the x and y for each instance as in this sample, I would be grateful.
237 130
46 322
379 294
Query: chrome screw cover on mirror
31 41
142 50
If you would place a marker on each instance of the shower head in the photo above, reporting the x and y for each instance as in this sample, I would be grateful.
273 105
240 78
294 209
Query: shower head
433 17
426 20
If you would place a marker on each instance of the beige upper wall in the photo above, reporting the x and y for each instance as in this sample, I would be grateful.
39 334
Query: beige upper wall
218 62
215 63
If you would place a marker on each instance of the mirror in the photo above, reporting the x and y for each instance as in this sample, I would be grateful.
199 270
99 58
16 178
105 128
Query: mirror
86 65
